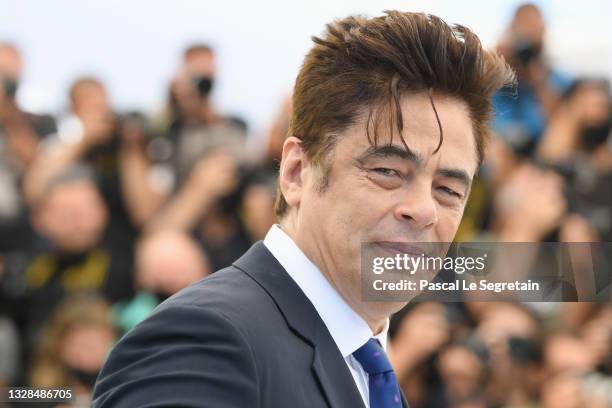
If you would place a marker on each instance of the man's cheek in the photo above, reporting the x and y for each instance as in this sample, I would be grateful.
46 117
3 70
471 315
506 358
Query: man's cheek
448 226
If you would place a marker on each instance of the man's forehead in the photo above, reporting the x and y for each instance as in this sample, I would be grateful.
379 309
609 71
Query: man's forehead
421 135
10 60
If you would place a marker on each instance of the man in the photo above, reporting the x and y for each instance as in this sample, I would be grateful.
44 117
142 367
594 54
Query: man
116 149
73 251
20 134
195 125
523 114
389 116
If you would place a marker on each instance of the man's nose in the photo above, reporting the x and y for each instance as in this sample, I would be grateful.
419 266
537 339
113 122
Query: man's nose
418 208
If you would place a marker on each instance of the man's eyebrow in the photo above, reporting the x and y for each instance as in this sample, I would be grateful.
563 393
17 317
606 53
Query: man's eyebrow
400 152
391 151
457 174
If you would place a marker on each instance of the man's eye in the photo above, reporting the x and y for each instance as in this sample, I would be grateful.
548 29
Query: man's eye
386 172
450 191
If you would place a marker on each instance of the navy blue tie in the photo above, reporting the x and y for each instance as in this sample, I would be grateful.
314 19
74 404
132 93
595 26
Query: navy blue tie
383 387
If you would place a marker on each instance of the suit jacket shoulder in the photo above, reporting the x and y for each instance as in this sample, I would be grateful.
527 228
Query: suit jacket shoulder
191 352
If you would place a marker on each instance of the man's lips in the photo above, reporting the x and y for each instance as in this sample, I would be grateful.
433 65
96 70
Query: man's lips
407 248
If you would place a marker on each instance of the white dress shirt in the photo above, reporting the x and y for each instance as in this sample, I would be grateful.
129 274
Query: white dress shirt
349 330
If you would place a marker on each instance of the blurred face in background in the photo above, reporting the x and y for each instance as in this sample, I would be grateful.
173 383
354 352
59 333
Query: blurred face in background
591 107
10 62
89 98
462 372
193 83
499 322
426 327
528 25
72 216
168 261
83 350
591 103
200 63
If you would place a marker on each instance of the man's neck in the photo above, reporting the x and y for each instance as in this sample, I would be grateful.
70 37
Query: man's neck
376 323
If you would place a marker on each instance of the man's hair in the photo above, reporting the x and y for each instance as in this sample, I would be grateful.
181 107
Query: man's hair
361 68
526 7
196 49
9 46
77 173
83 82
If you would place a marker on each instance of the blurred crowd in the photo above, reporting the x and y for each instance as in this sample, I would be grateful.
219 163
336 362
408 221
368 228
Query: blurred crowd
103 215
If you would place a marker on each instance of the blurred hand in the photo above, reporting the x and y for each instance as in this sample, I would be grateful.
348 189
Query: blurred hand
422 333
597 334
185 95
562 391
132 132
532 202
258 207
97 128
216 174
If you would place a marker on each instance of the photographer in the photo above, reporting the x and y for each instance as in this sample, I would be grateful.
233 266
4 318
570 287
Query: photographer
522 113
114 146
191 125
577 141
73 252
20 133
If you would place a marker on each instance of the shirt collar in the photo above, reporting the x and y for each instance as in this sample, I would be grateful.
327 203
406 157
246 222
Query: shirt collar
349 330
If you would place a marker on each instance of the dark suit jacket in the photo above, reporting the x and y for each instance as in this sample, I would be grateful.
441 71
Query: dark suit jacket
245 336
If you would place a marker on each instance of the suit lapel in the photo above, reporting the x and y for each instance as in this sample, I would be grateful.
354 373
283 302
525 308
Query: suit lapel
328 364
335 379
404 402
337 384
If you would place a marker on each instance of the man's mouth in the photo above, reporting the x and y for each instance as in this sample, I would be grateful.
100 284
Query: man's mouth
395 247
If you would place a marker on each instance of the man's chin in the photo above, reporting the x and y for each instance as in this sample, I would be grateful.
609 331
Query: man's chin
383 310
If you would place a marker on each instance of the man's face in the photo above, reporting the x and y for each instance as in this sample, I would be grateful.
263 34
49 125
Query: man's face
186 87
386 195
10 62
90 100
200 63
529 26
72 216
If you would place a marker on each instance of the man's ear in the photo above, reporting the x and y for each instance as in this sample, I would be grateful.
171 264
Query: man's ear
291 174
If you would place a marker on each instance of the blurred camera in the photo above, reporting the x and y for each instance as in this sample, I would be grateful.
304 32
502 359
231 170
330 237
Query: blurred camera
9 87
523 350
203 85
524 52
